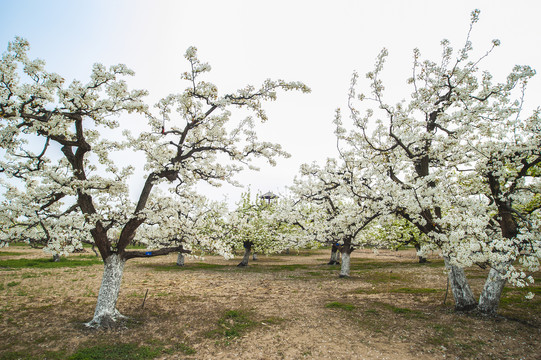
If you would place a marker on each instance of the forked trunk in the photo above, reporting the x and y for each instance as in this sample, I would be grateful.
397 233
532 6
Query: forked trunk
492 291
464 300
106 314
180 259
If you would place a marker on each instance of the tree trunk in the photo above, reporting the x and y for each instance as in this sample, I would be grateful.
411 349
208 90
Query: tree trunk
254 256
492 291
422 259
334 255
464 300
180 259
106 314
56 258
346 251
247 251
344 268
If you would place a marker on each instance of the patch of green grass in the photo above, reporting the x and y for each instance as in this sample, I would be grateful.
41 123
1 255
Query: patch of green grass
289 267
514 298
19 244
30 275
232 324
48 263
183 348
371 312
115 352
10 253
13 283
339 305
136 247
256 268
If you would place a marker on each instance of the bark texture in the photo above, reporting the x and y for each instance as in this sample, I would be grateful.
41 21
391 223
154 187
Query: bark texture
464 300
492 291
106 314
344 268
346 251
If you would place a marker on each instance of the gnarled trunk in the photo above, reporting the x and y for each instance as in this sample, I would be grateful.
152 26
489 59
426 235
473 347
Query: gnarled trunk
180 259
106 314
247 251
464 300
492 291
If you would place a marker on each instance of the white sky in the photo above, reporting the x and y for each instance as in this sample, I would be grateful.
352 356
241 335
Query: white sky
245 42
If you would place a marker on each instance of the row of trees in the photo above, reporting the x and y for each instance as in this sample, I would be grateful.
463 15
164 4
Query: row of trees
454 169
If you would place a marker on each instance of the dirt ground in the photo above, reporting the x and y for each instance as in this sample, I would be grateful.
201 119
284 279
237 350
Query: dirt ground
295 307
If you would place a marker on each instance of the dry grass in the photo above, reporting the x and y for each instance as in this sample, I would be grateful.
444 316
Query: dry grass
279 307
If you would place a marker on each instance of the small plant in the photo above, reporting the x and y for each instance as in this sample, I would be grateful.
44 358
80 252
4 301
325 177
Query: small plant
13 283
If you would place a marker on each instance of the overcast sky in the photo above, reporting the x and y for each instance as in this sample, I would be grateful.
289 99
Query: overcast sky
318 42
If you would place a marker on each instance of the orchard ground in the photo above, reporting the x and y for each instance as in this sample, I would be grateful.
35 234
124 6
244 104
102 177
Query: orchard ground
279 307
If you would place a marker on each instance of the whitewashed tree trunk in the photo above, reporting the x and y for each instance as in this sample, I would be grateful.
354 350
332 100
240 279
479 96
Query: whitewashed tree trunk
464 300
492 291
422 259
106 313
344 268
180 259
254 256
335 256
